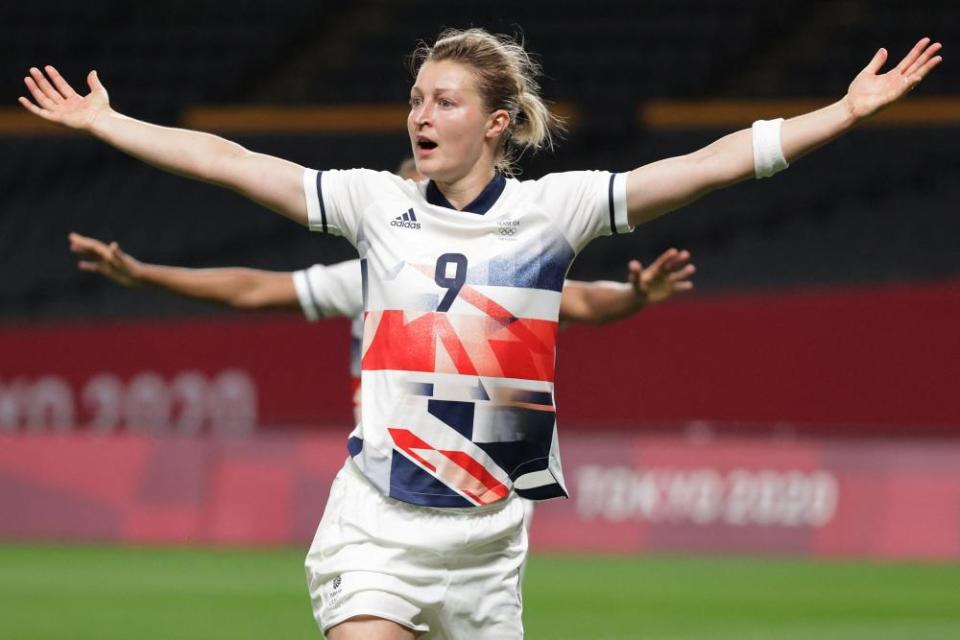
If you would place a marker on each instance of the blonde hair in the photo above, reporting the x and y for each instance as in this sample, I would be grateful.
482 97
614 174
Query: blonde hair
506 79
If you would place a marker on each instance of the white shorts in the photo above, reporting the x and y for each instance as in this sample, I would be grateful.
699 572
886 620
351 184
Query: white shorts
444 573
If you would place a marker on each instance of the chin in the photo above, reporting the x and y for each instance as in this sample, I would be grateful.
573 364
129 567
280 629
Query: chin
440 169
429 169
424 169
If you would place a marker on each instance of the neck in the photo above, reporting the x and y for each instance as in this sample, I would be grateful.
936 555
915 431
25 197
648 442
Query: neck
463 191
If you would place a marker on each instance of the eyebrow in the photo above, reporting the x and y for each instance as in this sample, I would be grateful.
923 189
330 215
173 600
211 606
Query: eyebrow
415 90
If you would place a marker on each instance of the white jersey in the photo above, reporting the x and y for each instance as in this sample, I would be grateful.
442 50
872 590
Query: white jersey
460 325
335 291
330 291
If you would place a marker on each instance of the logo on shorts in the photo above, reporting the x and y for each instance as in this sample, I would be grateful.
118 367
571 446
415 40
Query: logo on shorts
332 597
408 220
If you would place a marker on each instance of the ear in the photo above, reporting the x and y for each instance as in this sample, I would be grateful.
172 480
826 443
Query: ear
497 123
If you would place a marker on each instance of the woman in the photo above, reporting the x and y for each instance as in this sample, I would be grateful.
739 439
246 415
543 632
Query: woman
423 533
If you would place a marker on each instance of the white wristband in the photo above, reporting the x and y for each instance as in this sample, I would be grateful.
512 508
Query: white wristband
767 152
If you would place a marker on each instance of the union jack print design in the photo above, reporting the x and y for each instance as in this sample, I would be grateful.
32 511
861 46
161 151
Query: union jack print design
457 469
470 345
467 451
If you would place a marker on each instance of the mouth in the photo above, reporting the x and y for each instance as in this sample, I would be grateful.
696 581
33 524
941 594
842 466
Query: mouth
425 144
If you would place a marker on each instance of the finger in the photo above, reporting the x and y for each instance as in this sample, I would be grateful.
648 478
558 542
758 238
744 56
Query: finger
683 274
79 247
922 60
679 260
62 85
45 85
90 244
914 53
100 249
119 257
86 255
32 108
87 265
662 260
39 96
879 58
635 273
922 73
89 254
93 81
79 238
686 285
673 265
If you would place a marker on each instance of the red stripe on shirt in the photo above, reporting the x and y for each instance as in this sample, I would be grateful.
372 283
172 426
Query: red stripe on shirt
468 344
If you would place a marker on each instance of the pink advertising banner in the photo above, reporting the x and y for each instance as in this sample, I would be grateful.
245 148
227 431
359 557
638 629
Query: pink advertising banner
849 498
630 494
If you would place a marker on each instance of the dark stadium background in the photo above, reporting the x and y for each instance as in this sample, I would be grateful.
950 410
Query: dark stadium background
822 333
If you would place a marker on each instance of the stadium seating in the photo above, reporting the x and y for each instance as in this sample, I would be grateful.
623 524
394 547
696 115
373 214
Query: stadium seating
159 57
891 218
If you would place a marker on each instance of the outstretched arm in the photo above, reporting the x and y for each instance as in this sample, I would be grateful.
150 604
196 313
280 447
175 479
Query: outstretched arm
665 185
600 302
275 183
247 289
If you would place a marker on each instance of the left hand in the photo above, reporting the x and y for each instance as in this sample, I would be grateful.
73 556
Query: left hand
670 273
869 92
55 100
109 260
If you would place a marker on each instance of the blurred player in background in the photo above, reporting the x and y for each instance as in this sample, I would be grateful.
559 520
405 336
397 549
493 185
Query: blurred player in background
423 532
334 291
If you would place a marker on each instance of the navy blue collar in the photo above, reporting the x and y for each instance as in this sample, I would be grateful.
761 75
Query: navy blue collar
480 205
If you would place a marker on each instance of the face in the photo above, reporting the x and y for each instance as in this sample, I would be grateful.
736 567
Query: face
451 134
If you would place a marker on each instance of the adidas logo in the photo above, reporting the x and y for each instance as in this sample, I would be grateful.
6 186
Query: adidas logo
408 220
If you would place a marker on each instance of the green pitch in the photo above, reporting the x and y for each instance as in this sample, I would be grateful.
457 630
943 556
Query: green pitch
104 593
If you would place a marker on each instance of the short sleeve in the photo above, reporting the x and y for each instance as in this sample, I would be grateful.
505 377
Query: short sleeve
586 204
337 199
330 291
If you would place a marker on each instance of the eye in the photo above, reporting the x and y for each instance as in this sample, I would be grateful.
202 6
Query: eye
446 103
415 101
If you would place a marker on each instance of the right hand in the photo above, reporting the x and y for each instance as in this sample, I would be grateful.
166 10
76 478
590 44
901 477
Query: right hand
871 90
107 260
670 273
55 100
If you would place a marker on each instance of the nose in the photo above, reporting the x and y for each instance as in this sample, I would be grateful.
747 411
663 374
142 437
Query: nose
423 114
